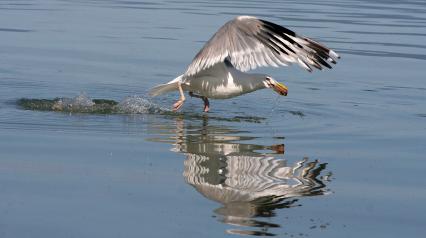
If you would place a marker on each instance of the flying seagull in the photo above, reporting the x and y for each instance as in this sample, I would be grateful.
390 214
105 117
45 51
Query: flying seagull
242 44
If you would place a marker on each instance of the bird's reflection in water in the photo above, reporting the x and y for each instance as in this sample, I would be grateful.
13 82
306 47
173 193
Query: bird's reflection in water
248 183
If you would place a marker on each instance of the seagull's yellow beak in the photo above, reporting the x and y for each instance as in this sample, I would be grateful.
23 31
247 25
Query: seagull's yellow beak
280 88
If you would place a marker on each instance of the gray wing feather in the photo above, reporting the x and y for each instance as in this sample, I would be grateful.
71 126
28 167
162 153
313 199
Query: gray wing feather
248 42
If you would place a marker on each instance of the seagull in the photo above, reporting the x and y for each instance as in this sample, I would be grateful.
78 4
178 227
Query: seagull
218 71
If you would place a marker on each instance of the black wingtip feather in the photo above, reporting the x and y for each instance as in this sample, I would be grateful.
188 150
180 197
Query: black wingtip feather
279 28
323 62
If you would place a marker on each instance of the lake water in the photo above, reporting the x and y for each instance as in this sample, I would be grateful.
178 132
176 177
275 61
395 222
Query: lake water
341 156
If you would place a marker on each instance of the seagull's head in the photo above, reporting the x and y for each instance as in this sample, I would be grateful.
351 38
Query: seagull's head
280 88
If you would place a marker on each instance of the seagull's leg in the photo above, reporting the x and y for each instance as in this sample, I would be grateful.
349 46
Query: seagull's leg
205 100
179 103
206 104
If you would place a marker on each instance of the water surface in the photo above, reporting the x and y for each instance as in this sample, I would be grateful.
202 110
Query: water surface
341 155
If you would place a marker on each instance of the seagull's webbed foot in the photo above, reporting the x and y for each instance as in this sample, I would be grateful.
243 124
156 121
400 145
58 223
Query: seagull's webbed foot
177 105
205 100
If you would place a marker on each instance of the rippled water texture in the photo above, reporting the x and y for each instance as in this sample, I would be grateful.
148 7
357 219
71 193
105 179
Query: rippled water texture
84 152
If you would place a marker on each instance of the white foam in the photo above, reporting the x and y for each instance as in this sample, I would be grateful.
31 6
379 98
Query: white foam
79 102
83 100
137 105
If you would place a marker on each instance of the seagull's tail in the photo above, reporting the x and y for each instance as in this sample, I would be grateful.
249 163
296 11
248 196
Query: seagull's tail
165 88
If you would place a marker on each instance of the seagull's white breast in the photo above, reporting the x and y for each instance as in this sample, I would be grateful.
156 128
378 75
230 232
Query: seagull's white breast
216 87
221 82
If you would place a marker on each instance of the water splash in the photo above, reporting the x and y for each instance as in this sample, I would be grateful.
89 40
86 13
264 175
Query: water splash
139 105
129 105
80 103
84 104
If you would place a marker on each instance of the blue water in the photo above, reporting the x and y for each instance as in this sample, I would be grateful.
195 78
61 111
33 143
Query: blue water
341 156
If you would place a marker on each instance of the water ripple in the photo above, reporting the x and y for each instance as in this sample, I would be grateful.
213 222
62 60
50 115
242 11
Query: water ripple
15 30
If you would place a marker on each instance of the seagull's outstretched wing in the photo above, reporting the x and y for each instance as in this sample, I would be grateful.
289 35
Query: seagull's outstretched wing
248 42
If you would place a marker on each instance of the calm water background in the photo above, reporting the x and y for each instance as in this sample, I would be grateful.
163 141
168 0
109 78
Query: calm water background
85 175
